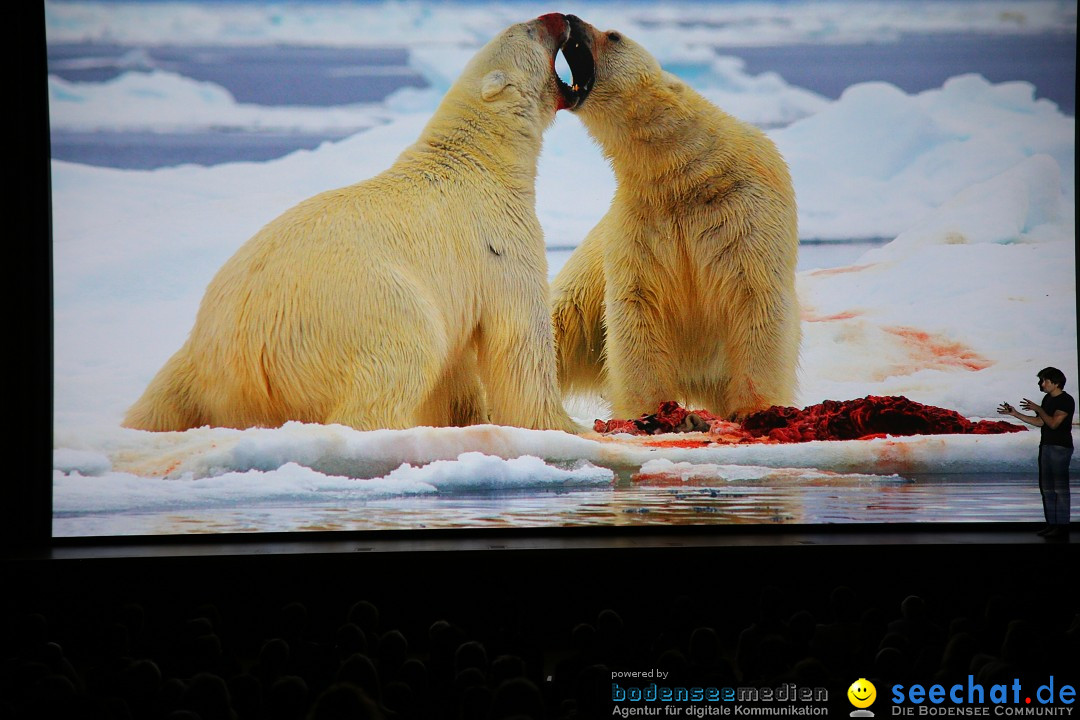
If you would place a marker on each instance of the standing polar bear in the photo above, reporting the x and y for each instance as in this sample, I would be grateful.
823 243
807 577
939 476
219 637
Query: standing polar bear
685 290
418 297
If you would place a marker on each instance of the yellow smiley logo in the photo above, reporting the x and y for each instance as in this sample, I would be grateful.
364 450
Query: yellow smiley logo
862 693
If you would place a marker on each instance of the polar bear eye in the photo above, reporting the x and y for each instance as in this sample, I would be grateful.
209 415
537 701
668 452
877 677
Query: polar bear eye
614 36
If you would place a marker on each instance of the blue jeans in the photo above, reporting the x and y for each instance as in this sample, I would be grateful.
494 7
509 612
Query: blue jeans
1054 482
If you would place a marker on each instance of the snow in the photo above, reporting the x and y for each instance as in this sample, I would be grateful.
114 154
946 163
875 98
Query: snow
162 101
972 182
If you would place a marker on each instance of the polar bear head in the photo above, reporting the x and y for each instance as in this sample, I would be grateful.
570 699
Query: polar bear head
625 83
514 74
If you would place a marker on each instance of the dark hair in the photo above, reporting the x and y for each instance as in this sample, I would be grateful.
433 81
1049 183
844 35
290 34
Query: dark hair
1053 375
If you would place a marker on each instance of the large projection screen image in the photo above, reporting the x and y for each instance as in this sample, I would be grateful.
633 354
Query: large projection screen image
931 148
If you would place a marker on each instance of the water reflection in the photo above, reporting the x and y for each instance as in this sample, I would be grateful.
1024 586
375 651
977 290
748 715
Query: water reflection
816 500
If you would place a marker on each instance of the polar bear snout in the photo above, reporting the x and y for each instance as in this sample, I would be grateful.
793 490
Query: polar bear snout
556 26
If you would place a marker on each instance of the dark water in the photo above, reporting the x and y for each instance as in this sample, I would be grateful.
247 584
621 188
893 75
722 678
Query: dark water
151 150
270 76
262 75
326 77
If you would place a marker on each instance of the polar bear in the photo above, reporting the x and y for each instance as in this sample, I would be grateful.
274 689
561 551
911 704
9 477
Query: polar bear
417 297
685 290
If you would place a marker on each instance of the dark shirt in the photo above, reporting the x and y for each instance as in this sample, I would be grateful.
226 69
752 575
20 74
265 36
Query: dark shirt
1062 435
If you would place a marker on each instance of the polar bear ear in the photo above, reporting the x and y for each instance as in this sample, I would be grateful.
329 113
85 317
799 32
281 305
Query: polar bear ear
494 83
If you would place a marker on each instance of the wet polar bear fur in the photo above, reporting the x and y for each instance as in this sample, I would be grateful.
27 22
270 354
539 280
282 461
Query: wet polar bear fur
418 297
685 290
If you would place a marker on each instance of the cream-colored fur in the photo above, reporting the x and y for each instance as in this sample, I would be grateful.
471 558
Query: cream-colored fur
416 297
685 290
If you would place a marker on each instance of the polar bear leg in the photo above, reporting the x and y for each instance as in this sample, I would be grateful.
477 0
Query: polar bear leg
516 354
171 402
577 312
458 399
640 367
761 355
387 391
399 354
388 400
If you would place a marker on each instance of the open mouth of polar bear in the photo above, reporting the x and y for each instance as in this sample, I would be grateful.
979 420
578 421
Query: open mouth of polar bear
578 55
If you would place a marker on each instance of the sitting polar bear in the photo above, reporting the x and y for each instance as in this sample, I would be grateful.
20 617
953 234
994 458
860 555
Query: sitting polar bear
685 290
418 297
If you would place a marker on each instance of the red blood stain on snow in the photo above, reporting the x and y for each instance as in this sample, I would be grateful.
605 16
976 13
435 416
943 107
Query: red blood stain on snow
659 479
935 351
901 457
809 316
688 443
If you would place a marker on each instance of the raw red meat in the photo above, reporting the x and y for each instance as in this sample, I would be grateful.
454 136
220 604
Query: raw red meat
670 417
865 418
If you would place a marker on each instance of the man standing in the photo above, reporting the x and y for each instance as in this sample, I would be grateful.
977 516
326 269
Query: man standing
1054 418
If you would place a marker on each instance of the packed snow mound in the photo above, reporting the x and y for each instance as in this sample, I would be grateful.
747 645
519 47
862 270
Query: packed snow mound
879 161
